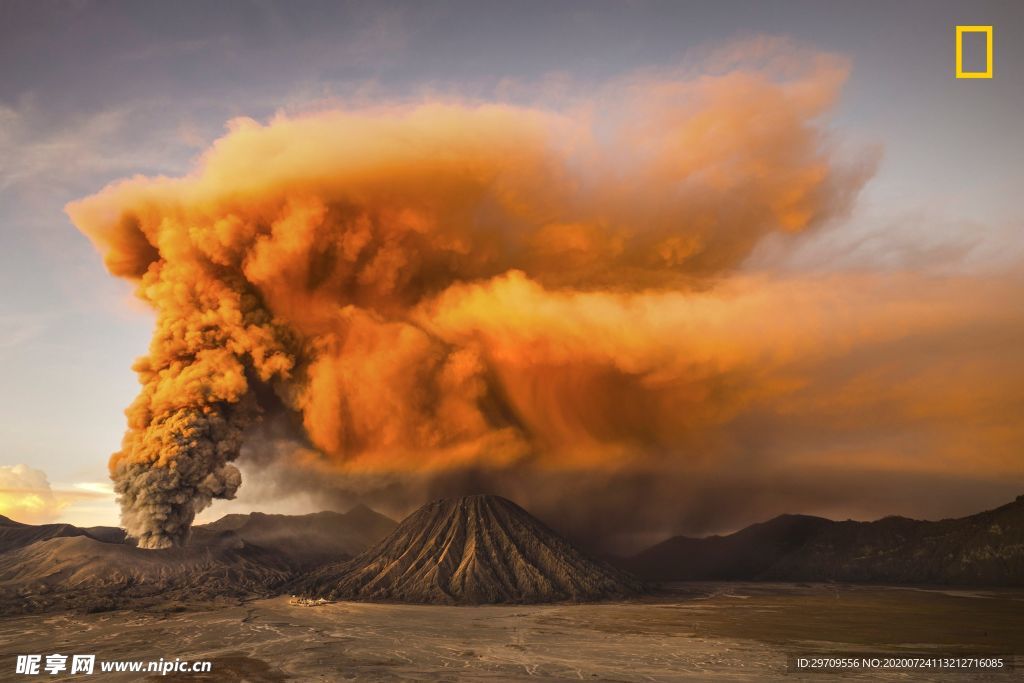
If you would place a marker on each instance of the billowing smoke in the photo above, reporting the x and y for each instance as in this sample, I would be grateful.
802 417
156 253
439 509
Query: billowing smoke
443 287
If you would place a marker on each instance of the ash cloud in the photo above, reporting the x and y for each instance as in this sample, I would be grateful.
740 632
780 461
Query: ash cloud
445 288
848 396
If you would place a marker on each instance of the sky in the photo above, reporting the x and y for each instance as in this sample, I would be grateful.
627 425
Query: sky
928 249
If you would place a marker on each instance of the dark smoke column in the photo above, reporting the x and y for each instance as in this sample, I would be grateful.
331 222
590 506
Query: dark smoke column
212 341
180 463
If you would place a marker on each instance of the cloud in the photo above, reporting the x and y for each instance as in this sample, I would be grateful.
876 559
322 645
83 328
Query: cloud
28 154
26 496
456 298
98 488
19 329
309 266
47 152
924 240
696 412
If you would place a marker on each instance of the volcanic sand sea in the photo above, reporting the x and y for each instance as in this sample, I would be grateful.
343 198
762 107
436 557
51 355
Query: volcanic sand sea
731 631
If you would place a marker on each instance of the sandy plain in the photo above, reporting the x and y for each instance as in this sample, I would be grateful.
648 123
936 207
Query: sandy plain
726 631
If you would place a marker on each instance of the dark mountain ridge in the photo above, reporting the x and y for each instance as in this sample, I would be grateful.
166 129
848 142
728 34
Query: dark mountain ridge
81 572
306 540
60 566
14 535
982 549
479 549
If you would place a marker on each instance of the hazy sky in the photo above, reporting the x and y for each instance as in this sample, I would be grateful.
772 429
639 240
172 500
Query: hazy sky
91 92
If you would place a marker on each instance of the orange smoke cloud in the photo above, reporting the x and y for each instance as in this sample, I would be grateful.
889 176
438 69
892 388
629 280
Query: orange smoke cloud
442 284
603 375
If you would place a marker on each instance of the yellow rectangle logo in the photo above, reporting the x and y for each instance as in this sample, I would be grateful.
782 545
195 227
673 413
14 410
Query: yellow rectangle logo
960 31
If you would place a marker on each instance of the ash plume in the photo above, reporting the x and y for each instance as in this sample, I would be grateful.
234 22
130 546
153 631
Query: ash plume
419 287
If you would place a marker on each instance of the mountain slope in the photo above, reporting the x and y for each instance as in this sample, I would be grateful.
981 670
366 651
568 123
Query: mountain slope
307 539
984 549
743 555
471 550
15 535
84 573
59 566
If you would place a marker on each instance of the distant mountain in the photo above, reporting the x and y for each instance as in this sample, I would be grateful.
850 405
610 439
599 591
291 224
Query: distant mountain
478 549
226 523
983 549
107 534
82 572
15 535
60 566
471 550
306 539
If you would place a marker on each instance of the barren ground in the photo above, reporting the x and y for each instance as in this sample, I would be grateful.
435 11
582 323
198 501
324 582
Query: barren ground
734 631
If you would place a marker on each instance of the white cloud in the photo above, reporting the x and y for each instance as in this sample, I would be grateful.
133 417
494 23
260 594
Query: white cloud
103 488
26 496
18 329
86 145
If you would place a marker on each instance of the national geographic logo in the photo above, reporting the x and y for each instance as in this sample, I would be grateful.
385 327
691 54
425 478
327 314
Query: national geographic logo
975 50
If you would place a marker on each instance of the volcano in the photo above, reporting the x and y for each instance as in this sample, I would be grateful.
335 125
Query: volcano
60 566
472 550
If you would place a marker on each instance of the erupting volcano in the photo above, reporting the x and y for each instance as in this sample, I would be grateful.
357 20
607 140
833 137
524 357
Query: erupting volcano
445 287
472 550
